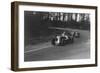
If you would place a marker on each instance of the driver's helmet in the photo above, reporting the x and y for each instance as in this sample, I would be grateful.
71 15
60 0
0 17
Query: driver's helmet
63 34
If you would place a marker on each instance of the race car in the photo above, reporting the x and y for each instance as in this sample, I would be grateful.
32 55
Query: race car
77 35
63 39
74 34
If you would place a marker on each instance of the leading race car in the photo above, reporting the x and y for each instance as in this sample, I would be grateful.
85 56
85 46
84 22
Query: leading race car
63 39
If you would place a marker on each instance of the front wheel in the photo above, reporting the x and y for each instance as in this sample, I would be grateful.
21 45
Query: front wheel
53 42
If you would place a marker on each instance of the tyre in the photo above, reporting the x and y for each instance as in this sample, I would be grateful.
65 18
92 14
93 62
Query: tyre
55 41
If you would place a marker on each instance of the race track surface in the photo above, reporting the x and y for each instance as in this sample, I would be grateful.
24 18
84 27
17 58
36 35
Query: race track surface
80 49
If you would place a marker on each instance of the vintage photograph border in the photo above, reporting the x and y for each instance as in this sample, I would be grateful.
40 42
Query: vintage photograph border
15 34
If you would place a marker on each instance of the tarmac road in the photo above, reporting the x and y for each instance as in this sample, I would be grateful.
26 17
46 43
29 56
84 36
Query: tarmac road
80 49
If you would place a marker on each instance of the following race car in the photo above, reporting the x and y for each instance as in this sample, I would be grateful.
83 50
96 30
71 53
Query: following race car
77 35
74 34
